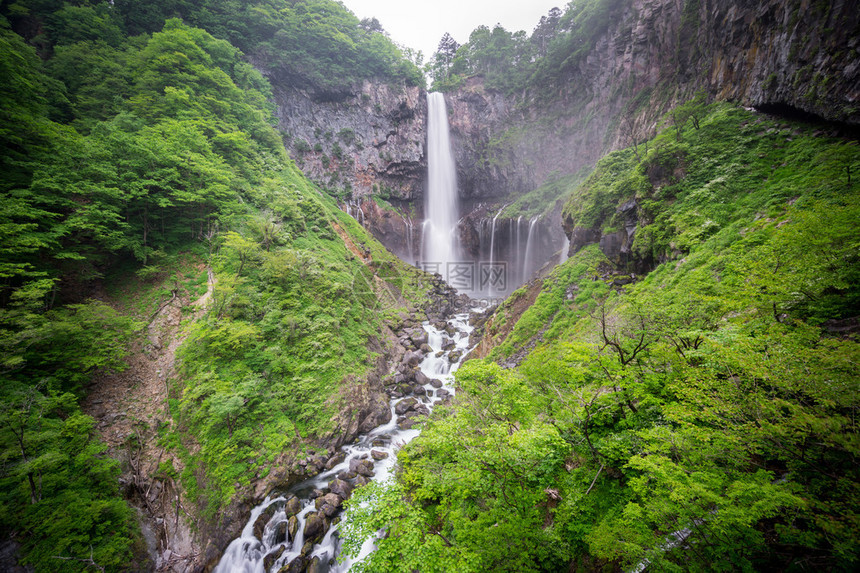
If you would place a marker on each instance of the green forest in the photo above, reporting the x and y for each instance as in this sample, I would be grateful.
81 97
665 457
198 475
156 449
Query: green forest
711 404
699 416
134 143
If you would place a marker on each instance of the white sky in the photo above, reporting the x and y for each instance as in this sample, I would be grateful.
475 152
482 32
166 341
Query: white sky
420 24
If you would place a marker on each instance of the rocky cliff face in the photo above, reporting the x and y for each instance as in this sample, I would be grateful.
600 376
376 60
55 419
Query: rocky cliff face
780 55
368 140
785 56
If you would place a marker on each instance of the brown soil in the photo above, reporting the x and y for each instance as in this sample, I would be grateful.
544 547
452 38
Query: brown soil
129 408
362 255
513 312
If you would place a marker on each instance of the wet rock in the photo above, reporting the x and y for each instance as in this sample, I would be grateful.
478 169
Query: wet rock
404 389
280 533
406 423
346 475
419 390
440 325
313 525
426 348
335 459
420 378
271 557
436 383
455 356
341 488
315 566
331 504
317 493
442 393
381 414
378 455
412 358
297 565
448 345
450 330
404 405
418 337
362 467
361 480
293 526
262 520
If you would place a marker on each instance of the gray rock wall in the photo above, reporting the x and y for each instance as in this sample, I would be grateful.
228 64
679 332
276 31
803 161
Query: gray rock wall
370 140
796 54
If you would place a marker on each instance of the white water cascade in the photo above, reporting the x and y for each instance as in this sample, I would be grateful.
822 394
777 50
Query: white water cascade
279 540
439 241
528 257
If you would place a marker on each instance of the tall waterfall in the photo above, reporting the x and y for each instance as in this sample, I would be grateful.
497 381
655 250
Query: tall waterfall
440 209
528 257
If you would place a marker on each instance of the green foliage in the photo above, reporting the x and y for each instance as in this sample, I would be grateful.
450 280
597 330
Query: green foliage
702 418
514 62
59 492
317 42
123 155
546 197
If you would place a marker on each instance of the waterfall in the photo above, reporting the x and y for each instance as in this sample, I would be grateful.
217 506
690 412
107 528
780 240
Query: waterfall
353 209
519 254
493 241
440 240
565 247
529 255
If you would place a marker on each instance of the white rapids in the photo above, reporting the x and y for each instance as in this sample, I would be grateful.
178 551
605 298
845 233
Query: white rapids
247 554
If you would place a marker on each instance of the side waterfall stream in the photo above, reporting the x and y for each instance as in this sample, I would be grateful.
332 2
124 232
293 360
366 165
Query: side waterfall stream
274 537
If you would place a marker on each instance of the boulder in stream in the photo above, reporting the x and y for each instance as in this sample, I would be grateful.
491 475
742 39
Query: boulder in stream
331 504
404 405
297 565
262 520
293 526
280 533
335 459
272 556
341 488
315 566
378 454
314 526
293 506
361 467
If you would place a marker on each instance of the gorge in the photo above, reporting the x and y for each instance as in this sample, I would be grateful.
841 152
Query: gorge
242 245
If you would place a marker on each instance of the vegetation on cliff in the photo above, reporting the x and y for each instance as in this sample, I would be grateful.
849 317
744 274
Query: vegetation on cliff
702 418
513 61
128 144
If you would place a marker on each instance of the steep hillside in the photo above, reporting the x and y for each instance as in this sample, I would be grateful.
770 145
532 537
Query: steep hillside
142 173
614 68
699 418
